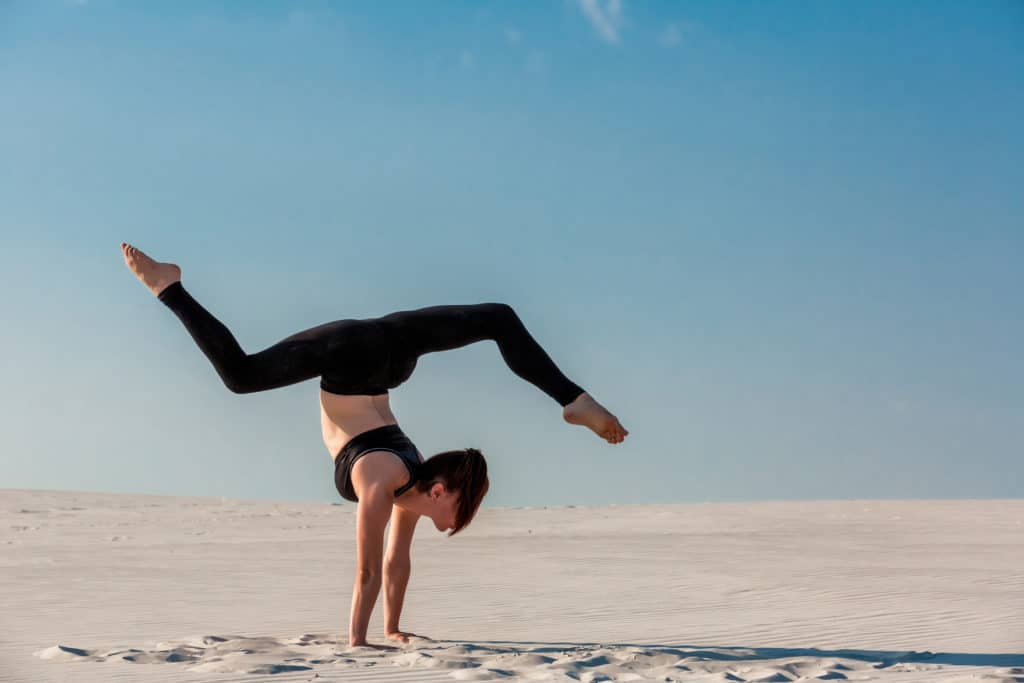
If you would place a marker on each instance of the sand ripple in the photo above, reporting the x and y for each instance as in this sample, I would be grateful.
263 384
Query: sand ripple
477 662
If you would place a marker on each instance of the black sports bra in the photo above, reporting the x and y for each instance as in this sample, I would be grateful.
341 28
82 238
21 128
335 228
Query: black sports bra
387 438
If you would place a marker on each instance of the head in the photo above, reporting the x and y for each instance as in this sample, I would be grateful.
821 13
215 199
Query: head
454 482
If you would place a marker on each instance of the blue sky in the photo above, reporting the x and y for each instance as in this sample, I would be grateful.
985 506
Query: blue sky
782 241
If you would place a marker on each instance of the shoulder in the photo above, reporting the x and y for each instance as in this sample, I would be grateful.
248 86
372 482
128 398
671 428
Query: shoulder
378 468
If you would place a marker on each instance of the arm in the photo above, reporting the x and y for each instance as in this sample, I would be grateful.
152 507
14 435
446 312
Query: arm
397 566
375 503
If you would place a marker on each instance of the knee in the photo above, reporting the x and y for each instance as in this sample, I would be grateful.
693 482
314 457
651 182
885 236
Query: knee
235 387
500 318
236 383
500 310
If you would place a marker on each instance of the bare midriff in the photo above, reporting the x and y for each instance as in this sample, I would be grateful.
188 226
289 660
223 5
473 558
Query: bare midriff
344 416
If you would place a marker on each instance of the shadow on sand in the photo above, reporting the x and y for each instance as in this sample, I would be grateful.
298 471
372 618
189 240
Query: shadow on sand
880 658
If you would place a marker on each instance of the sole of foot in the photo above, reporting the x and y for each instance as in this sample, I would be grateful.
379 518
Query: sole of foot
589 413
155 275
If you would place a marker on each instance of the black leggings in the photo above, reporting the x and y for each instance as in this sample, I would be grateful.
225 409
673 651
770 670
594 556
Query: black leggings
369 356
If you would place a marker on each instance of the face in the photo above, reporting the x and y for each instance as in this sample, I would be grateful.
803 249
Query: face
442 507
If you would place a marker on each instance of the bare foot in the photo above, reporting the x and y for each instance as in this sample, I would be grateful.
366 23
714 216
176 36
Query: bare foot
154 274
589 413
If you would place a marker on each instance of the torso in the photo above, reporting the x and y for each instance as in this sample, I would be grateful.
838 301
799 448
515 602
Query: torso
343 417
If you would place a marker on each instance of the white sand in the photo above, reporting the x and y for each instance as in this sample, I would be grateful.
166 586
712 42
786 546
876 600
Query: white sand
107 587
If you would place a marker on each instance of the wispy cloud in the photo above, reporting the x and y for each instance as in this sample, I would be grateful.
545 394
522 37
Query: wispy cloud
536 62
295 23
606 19
897 404
671 36
299 18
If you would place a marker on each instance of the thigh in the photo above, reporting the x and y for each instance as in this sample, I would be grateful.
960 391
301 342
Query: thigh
333 347
441 328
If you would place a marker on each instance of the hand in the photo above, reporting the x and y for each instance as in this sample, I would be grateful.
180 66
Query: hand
403 636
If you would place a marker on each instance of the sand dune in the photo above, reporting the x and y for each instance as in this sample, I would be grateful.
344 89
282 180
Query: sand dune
109 587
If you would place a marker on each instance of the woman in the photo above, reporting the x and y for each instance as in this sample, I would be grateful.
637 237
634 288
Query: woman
376 465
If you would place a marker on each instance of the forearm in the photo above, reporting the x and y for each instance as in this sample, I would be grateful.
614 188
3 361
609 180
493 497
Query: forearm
396 578
364 595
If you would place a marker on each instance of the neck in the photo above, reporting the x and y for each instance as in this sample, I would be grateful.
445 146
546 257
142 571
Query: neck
413 501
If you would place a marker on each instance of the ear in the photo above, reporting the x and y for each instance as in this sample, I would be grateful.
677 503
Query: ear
437 490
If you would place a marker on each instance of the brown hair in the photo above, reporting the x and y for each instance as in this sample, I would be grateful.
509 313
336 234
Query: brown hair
463 472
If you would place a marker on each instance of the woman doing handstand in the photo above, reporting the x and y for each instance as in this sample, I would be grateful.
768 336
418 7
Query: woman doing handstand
376 465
